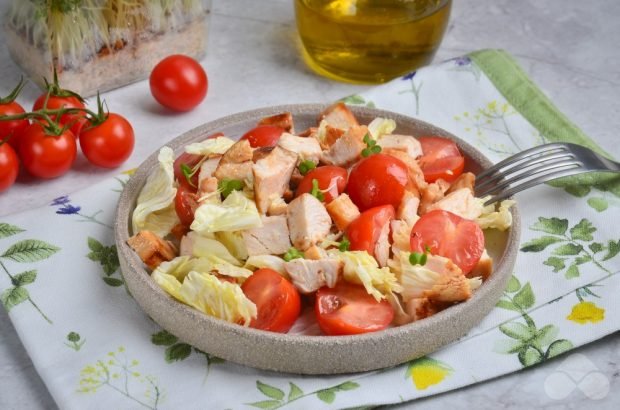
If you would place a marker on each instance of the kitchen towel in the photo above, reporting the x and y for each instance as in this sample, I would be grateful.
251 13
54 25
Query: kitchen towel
94 347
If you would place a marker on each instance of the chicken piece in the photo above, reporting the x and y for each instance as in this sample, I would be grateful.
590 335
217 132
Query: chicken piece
277 207
465 180
347 149
306 148
460 202
338 115
240 151
308 132
308 221
208 168
404 143
442 265
151 249
449 288
187 245
382 247
271 176
206 187
332 134
284 121
483 268
408 208
432 193
270 239
315 253
401 234
420 308
236 163
261 152
342 211
311 275
416 176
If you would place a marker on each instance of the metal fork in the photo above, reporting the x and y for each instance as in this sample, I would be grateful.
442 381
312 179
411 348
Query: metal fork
537 165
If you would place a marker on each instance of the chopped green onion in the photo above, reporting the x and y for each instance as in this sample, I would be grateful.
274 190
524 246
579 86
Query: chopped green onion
316 192
226 186
344 245
417 258
291 254
306 166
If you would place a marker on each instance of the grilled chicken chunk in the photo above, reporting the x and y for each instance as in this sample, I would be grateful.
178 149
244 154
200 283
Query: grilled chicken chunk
316 253
483 268
347 149
308 221
306 148
408 208
236 163
311 275
270 239
460 202
433 192
339 116
416 176
404 143
342 211
382 247
152 249
271 176
284 121
420 308
465 180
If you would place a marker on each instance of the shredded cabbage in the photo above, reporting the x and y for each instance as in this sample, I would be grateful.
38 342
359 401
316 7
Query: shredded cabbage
234 242
168 282
155 209
236 213
209 146
381 126
266 261
233 271
211 249
492 219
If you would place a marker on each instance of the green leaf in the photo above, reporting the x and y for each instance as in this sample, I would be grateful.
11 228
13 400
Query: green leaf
13 297
327 395
24 278
30 250
580 260
113 282
354 99
226 186
94 245
539 244
546 335
513 284
506 304
530 356
179 351
266 404
596 247
7 230
556 263
597 203
613 248
525 298
572 272
578 190
558 347
73 337
554 226
516 330
583 231
295 392
270 391
164 338
567 249
347 386
306 166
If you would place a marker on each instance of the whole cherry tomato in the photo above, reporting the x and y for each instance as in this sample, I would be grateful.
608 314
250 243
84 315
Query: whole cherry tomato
12 129
441 159
446 234
363 233
65 99
45 155
348 309
109 143
9 166
331 180
263 136
179 82
277 300
377 180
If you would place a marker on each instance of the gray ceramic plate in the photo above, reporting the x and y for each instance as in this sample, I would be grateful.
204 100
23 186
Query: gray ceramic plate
298 353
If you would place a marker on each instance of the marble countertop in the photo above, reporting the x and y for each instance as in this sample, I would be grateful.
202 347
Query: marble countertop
568 47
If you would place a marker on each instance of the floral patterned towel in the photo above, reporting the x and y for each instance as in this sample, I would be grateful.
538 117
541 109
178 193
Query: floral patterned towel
95 348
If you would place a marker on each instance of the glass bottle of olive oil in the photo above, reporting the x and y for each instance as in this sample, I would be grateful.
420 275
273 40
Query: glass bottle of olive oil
370 41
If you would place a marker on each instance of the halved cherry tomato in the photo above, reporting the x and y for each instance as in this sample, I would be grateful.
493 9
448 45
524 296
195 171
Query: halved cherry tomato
377 180
441 159
108 144
364 231
190 160
446 234
348 309
77 120
263 136
185 204
9 166
47 156
277 301
330 178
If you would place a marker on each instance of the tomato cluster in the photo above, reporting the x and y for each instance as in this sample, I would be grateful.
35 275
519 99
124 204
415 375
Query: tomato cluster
46 139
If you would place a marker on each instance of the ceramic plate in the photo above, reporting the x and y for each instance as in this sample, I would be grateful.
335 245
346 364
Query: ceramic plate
299 353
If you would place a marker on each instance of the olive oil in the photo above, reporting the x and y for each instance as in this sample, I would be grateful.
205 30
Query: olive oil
370 41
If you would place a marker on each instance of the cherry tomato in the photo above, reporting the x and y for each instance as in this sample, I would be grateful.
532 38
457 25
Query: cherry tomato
377 180
185 204
328 177
9 166
14 128
348 309
441 159
108 144
179 82
190 161
277 300
446 234
263 136
47 156
364 231
55 102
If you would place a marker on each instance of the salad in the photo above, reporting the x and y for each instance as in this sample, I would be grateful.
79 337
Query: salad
354 226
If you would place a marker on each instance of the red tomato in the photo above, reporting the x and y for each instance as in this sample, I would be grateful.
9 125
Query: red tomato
47 156
108 144
332 177
446 234
441 159
263 136
14 128
348 309
364 231
56 102
277 301
377 180
185 203
179 82
189 160
9 166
